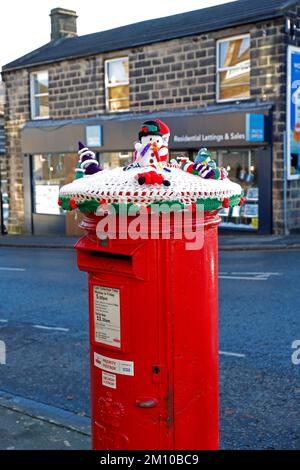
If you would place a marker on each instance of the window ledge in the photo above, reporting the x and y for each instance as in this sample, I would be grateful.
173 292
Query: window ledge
233 100
39 118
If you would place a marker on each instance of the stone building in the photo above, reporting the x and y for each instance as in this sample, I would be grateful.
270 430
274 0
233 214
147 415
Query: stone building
3 166
218 77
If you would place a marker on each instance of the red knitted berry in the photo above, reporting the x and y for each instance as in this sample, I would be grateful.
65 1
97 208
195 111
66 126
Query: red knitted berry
73 204
148 178
59 202
158 178
226 203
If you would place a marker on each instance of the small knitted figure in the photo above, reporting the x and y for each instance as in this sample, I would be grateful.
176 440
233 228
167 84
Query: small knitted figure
79 172
87 161
148 159
203 166
204 157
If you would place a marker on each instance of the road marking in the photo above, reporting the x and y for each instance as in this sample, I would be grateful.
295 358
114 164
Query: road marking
2 353
4 268
55 328
248 276
254 272
244 278
227 353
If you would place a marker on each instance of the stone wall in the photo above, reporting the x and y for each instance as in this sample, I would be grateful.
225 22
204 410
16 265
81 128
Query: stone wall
76 88
17 112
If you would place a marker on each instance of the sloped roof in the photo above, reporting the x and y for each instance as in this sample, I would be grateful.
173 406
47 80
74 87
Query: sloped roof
157 30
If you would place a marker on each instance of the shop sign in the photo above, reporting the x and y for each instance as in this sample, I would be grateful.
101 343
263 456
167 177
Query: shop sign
255 127
93 136
293 113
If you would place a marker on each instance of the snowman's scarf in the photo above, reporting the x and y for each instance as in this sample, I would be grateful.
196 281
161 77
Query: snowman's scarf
145 150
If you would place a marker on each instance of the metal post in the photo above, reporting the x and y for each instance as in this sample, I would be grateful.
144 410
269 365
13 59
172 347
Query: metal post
285 219
2 227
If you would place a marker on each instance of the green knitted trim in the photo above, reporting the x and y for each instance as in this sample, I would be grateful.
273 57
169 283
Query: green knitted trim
209 204
234 200
88 206
217 173
65 203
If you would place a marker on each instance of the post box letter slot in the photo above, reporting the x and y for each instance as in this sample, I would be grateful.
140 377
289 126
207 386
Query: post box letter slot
112 261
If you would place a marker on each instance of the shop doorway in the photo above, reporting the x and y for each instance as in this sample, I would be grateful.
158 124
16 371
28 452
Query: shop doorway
252 170
242 166
48 173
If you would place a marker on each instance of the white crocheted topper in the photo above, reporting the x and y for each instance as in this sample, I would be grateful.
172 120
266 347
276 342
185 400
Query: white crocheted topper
121 186
150 178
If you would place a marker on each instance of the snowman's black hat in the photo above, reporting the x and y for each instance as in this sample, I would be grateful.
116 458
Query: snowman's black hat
149 128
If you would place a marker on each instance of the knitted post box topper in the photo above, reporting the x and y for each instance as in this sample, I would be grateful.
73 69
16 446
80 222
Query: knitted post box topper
151 180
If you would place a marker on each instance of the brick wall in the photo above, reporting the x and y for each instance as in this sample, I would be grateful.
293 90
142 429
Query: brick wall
268 82
176 74
16 113
76 88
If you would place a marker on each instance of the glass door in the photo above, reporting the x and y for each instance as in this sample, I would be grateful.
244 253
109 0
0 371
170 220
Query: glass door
110 160
48 172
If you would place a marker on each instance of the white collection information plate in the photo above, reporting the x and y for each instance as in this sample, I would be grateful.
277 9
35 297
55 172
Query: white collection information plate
107 318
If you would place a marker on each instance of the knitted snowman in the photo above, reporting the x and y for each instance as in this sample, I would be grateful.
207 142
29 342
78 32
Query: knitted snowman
151 153
157 134
153 169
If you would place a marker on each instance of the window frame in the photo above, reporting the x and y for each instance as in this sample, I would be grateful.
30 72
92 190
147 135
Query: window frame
108 85
34 184
34 95
223 69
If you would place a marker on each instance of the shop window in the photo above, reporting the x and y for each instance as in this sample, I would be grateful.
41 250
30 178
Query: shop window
48 175
173 154
39 94
111 160
242 168
233 68
117 84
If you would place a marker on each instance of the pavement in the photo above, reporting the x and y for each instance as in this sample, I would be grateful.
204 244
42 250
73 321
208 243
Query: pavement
26 424
236 242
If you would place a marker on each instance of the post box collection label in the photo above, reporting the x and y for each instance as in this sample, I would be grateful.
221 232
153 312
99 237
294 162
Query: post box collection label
116 366
107 321
109 380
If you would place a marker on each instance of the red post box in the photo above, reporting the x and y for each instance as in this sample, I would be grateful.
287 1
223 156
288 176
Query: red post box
154 339
153 301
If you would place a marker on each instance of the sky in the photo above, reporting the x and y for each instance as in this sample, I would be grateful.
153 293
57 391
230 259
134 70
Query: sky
25 25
